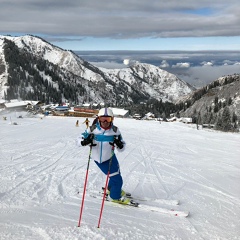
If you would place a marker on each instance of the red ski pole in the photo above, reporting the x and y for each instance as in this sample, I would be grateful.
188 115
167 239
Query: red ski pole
85 185
105 188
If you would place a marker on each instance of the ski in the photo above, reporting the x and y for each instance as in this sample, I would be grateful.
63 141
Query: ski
173 212
131 203
148 199
155 200
144 207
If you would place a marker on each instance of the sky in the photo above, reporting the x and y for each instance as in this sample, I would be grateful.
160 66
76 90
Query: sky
126 25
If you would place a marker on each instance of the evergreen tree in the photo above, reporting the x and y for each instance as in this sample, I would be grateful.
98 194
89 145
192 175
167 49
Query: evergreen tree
229 101
226 120
234 118
199 119
218 124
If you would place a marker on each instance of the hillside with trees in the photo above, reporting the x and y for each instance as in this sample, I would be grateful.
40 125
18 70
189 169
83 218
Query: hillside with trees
217 103
28 78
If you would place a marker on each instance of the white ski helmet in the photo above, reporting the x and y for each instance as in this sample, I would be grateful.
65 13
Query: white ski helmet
105 112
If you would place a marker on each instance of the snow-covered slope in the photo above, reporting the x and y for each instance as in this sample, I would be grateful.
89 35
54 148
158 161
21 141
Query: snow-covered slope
39 47
139 81
209 102
42 171
153 80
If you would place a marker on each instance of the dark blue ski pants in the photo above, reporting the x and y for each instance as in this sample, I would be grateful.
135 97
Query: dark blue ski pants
115 179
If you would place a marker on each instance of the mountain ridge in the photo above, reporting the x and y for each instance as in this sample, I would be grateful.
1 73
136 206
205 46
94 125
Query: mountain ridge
136 83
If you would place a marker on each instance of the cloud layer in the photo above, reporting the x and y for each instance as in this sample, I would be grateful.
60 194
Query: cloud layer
197 68
121 19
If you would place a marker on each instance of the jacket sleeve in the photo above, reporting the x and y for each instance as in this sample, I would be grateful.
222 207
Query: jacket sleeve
124 143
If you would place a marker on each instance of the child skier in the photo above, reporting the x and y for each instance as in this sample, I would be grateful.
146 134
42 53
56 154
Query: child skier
103 136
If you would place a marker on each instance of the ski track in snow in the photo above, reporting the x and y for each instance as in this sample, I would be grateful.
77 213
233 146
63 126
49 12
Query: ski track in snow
43 171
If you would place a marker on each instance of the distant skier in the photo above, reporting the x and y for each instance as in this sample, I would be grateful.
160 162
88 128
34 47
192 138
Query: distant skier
77 123
103 135
87 122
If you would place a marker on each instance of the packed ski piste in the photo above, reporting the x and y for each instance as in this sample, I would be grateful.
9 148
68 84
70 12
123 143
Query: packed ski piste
166 181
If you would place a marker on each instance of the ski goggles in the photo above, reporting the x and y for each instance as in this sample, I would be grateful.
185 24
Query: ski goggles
105 119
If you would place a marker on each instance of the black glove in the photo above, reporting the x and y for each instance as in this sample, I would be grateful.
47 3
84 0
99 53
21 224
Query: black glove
118 142
88 140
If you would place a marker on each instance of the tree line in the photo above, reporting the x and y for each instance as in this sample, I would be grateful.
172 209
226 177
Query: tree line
28 78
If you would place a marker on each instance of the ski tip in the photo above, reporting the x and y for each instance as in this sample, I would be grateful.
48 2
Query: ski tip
185 214
180 213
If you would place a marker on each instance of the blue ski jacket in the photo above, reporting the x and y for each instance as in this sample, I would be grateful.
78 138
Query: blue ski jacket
103 150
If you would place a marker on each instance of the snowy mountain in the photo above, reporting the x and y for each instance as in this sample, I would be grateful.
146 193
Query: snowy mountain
208 103
67 76
157 83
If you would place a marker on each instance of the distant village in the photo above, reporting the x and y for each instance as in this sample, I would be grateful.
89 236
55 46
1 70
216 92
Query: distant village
85 110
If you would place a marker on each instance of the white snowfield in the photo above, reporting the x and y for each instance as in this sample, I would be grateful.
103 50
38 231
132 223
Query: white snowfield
42 174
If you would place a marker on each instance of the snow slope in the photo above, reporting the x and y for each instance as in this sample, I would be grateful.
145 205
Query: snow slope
42 172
